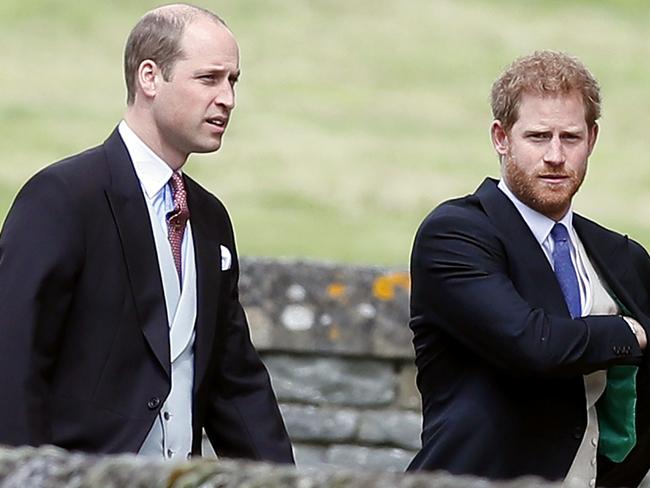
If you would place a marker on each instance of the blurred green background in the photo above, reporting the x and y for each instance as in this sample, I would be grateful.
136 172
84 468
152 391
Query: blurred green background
353 119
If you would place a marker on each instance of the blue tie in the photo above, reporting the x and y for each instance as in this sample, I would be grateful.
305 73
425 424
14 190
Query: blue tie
564 270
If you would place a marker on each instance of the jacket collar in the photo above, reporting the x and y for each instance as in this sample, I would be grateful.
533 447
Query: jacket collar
536 281
208 233
131 218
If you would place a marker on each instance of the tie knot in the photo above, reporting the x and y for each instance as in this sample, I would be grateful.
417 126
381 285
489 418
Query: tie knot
176 182
559 233
181 212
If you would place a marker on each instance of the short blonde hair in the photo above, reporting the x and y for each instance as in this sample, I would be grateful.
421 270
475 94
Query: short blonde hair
544 73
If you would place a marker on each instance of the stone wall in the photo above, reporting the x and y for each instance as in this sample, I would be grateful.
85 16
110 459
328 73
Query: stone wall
336 342
337 345
49 467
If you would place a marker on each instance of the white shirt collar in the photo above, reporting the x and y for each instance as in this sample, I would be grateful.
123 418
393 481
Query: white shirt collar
540 225
151 170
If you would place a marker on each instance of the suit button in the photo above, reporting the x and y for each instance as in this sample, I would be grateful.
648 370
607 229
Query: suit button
153 403
578 433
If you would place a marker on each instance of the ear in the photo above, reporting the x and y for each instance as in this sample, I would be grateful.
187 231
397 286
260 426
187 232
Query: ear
148 77
499 137
593 135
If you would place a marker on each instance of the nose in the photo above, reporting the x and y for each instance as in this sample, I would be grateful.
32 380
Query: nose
225 96
555 152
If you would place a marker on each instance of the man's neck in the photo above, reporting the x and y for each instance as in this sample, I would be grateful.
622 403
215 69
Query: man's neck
147 131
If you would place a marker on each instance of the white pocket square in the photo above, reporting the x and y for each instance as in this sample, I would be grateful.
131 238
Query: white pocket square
226 258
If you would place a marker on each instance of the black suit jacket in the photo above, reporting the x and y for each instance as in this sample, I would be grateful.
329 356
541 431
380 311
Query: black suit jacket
84 339
500 361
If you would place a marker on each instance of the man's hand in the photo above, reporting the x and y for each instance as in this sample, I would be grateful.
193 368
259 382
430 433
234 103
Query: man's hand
638 330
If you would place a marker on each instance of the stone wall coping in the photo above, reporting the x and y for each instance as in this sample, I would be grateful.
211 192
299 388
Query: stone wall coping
311 307
51 467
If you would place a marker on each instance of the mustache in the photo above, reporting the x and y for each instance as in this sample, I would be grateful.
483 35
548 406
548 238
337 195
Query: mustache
557 174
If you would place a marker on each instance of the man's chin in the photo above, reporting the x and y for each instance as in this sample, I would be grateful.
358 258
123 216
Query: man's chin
210 147
553 208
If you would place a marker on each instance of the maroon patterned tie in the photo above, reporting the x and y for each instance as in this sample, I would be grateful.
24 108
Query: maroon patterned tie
177 218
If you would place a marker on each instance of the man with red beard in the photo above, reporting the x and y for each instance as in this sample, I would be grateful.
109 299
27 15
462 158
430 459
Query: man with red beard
530 320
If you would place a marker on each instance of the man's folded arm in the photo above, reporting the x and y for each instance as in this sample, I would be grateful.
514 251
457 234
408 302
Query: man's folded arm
460 276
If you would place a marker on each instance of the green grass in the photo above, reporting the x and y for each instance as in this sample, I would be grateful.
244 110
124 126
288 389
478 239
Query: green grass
354 119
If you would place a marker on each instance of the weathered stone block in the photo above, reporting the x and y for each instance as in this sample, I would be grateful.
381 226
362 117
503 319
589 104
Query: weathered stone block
261 327
331 380
309 423
407 390
295 305
51 467
206 448
369 458
391 427
309 456
54 468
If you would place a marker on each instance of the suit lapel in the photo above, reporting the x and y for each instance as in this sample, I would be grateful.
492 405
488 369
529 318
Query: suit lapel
138 247
207 233
607 252
531 272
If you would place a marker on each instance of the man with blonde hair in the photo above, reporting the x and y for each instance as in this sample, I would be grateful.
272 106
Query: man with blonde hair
529 320
121 328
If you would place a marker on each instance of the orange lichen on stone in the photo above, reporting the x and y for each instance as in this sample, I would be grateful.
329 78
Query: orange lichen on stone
384 286
336 290
334 333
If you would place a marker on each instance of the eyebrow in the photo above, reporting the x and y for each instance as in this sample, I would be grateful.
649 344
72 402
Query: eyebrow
545 130
219 70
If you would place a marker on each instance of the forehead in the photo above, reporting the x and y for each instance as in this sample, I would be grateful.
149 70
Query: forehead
206 41
561 108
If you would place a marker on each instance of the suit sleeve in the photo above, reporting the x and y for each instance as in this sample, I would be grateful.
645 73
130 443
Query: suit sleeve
39 254
641 264
244 420
634 468
462 285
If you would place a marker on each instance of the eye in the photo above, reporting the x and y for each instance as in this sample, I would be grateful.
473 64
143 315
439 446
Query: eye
539 136
571 137
208 79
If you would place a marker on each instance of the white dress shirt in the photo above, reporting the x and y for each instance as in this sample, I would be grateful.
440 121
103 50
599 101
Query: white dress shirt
171 433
